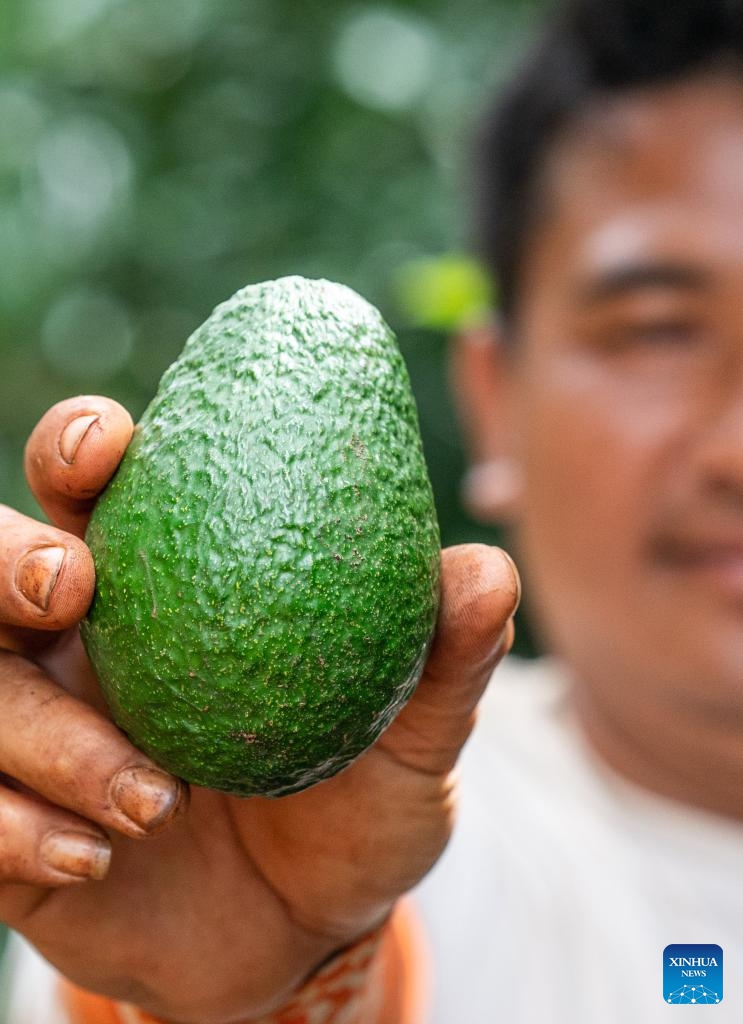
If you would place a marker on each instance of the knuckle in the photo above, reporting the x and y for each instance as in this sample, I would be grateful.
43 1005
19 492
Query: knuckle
16 858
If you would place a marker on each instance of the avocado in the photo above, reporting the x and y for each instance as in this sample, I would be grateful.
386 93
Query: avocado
267 555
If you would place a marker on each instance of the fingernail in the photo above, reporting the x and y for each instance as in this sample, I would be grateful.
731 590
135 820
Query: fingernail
146 796
37 574
516 580
73 434
77 854
505 640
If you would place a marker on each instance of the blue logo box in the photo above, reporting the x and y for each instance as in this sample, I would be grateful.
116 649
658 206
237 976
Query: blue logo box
692 974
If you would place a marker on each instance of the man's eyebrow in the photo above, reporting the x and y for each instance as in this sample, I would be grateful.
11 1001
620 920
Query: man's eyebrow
627 277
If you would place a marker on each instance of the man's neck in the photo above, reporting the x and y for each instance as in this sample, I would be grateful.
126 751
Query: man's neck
685 756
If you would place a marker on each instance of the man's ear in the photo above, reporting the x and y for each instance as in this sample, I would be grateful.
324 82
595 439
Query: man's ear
480 374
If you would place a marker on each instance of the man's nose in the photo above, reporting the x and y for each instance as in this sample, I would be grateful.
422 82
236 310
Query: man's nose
720 443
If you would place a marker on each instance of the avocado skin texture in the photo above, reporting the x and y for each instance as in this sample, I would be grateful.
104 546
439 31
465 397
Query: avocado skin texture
267 555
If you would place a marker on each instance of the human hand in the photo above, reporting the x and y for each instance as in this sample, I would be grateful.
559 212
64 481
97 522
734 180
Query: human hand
214 911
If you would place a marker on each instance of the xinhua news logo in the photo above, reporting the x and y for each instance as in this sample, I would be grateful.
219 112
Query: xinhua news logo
692 974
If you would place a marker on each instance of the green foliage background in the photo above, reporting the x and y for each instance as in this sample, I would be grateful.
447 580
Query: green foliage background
155 155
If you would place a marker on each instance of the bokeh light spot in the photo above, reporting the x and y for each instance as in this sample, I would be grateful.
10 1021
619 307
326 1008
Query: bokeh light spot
87 335
21 121
51 23
385 58
84 169
159 29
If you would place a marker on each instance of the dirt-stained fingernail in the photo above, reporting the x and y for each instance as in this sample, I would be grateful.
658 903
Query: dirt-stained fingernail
77 854
73 434
37 574
147 796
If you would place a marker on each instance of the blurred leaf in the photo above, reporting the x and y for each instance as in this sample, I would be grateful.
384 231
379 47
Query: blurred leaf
443 293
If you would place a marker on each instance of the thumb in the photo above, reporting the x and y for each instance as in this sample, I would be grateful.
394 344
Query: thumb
480 591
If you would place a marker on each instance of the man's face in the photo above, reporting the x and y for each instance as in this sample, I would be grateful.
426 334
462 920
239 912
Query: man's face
628 378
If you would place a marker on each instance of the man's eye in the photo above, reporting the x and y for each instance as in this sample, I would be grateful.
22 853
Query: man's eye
656 332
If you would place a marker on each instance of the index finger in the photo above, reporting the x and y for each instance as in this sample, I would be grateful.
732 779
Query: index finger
71 455
69 754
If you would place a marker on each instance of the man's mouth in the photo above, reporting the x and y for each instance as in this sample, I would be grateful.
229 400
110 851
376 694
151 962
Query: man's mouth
714 559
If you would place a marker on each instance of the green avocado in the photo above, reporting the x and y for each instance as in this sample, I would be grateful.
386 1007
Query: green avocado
267 555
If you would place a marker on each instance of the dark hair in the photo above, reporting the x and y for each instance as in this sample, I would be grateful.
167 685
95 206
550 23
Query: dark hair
590 48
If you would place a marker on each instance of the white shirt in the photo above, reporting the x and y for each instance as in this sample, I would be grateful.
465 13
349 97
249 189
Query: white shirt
564 883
